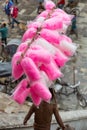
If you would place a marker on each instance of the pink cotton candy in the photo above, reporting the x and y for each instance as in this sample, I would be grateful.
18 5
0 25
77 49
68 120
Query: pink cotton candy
30 69
29 34
49 5
34 25
56 54
71 16
17 70
64 37
41 90
21 92
60 58
53 23
62 18
22 97
62 12
43 14
51 70
39 56
66 18
35 98
50 36
23 46
66 22
35 47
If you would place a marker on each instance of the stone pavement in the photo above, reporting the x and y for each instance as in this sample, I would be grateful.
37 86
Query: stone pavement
26 14
81 60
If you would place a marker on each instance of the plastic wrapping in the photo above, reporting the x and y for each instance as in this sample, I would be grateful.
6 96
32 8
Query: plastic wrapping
67 48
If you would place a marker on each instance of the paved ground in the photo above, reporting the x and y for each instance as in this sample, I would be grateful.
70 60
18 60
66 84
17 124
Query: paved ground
26 14
81 60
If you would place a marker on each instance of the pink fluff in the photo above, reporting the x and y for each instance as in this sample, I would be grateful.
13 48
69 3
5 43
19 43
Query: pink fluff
71 16
53 23
39 56
60 58
35 47
41 90
67 22
21 87
35 98
30 69
43 14
34 25
62 12
17 70
56 54
51 70
49 5
66 18
30 33
21 92
64 37
22 47
50 36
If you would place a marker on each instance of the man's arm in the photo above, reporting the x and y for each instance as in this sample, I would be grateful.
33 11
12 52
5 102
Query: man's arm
58 118
30 112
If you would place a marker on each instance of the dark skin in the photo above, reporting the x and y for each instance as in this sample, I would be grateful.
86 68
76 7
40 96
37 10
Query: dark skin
43 118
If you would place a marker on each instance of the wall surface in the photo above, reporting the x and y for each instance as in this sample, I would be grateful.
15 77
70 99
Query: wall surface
77 119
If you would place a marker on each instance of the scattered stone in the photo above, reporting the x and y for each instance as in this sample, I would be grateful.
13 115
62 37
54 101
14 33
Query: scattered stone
22 11
7 105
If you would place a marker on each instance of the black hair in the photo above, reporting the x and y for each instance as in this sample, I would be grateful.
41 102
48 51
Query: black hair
40 3
53 94
4 24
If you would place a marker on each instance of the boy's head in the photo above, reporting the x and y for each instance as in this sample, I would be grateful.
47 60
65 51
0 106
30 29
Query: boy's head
40 3
74 13
4 25
52 92
7 1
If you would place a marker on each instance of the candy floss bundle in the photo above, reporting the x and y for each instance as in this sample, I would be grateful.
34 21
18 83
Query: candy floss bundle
42 53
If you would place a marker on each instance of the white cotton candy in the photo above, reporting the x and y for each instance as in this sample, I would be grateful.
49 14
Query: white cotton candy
40 19
45 44
45 79
67 48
